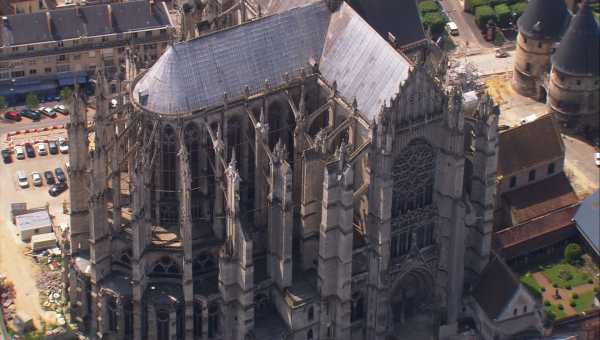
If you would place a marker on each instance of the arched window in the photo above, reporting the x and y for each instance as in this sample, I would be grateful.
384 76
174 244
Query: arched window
192 138
413 177
261 303
128 319
213 320
126 257
165 266
169 212
524 309
162 324
198 319
357 313
204 263
311 313
111 305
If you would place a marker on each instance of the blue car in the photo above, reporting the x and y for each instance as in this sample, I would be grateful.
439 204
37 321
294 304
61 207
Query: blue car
33 115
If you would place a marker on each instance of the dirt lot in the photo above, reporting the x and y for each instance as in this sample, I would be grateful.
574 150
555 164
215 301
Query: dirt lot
18 267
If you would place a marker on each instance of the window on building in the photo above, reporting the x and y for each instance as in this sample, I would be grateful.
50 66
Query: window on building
515 311
532 175
104 39
112 314
134 34
309 335
311 313
513 181
524 309
539 45
401 243
15 49
579 82
198 319
162 324
165 266
128 319
76 56
551 168
121 49
60 44
358 310
148 34
30 48
32 71
528 67
213 320
48 70
61 57
63 68
163 31
18 74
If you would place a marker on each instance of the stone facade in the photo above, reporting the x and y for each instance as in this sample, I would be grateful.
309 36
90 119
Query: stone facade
284 212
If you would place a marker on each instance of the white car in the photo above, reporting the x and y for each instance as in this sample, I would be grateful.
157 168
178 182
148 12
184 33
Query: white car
63 146
20 152
36 178
68 166
597 158
452 28
42 149
22 179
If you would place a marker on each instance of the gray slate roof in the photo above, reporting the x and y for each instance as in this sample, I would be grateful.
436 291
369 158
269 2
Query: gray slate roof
544 19
92 20
588 221
194 75
579 51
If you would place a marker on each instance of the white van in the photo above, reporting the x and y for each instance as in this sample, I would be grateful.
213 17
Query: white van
22 179
452 28
19 152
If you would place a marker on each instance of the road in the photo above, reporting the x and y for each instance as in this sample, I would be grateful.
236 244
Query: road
579 158
469 39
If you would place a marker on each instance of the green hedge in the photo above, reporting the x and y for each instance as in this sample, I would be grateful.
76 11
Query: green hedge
434 21
518 8
428 6
503 14
476 3
483 14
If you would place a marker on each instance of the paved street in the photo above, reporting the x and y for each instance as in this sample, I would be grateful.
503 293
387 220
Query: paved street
469 39
580 160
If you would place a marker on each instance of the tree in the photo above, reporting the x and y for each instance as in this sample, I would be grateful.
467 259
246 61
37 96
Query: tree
434 21
32 101
2 103
483 14
573 253
65 94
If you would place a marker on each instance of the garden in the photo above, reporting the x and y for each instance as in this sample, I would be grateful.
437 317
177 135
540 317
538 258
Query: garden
433 18
567 286
496 13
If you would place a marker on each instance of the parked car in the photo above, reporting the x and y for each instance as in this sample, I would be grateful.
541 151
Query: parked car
452 28
49 176
20 152
58 189
60 108
36 178
22 179
500 53
29 150
6 157
63 145
60 175
33 115
52 147
13 115
597 158
42 149
48 112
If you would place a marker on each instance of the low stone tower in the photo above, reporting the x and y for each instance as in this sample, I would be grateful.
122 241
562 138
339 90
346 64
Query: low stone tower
540 27
573 90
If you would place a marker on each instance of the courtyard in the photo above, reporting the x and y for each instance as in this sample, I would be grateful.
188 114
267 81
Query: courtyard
566 289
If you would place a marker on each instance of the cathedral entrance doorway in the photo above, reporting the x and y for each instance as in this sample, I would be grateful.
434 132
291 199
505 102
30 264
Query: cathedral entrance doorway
412 307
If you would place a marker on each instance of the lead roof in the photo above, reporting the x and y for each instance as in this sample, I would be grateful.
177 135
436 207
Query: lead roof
195 75
578 53
544 19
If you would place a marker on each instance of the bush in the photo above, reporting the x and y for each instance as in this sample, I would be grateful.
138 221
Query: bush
476 3
568 287
503 14
543 289
560 306
32 101
573 304
590 281
483 14
596 289
573 253
65 93
555 285
550 317
518 8
428 6
546 303
575 296
499 38
434 21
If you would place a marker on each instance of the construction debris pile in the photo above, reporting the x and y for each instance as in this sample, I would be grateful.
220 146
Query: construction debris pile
7 299
49 282
464 75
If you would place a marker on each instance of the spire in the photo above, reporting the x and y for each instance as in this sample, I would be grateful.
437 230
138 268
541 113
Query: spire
578 51
544 19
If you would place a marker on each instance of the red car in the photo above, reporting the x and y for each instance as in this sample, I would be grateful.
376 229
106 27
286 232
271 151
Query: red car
13 115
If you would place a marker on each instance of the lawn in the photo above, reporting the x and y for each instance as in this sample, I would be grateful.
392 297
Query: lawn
557 312
584 302
529 282
564 274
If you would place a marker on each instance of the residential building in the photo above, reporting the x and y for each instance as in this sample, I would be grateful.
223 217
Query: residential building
43 51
